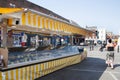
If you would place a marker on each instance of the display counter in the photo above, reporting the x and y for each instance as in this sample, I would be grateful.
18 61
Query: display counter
16 58
35 64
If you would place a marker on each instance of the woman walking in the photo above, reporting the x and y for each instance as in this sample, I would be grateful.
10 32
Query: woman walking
110 54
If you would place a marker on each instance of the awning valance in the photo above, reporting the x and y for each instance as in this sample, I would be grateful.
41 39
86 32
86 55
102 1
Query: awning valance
10 10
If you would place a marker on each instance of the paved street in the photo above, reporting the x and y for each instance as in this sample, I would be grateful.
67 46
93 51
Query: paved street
93 68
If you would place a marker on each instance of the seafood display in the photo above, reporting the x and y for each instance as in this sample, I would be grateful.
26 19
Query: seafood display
33 56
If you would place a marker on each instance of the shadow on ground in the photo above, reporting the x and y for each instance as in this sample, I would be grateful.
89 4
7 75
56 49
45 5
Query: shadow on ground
89 69
116 65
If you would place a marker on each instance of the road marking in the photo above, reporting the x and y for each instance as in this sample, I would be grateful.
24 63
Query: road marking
111 73
93 70
87 70
114 77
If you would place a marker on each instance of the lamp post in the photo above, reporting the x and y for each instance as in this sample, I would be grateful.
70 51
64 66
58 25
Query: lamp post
118 43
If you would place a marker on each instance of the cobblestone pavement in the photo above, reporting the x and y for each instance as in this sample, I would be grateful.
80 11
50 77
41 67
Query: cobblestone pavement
93 68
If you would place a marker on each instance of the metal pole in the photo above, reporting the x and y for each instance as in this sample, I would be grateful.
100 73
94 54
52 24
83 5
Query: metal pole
4 33
118 49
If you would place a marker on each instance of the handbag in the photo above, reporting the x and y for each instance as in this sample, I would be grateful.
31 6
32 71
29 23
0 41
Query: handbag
111 54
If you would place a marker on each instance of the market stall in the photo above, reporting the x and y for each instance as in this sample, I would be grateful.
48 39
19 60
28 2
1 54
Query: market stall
34 64
34 44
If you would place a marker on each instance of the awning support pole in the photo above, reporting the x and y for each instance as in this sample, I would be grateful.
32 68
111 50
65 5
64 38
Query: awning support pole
4 33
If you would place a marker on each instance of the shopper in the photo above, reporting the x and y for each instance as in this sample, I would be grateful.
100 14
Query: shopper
110 54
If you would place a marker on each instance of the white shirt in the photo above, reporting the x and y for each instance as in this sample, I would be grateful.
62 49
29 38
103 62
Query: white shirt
1 58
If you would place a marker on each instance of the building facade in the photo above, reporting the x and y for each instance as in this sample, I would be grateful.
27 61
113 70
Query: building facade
94 35
102 34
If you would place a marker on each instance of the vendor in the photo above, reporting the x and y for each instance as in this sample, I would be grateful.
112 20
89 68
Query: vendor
3 57
10 39
1 60
24 40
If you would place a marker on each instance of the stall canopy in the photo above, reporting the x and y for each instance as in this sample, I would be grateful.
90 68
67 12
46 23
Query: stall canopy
10 10
30 20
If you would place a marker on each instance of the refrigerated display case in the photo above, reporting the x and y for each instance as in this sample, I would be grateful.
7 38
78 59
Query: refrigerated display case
33 56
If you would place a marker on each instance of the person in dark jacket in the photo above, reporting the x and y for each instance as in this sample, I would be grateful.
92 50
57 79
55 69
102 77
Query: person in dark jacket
103 46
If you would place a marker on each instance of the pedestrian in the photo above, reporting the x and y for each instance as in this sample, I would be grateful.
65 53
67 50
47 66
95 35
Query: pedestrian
116 46
91 45
110 54
115 43
103 45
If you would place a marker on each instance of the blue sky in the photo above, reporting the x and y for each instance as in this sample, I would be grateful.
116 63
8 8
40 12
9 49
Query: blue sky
100 13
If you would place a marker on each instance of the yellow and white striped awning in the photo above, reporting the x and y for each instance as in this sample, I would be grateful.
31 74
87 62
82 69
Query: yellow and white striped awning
38 20
10 10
